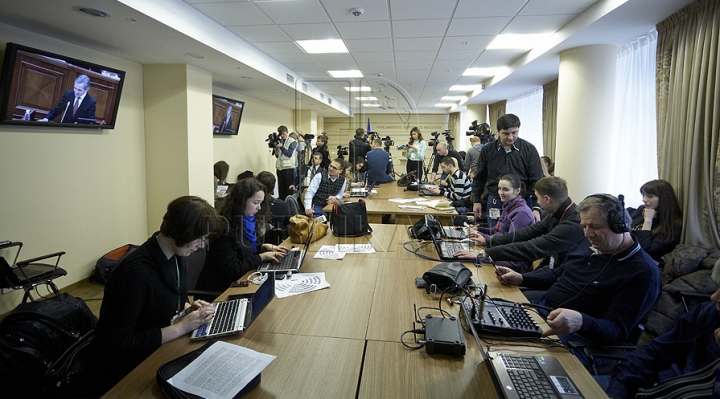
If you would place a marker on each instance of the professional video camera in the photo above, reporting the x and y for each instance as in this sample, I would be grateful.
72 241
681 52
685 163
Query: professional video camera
342 151
482 131
372 136
388 141
273 140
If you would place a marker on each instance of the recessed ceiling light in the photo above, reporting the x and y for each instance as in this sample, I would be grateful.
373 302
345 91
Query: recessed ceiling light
366 98
482 71
371 105
322 46
517 42
453 98
93 12
355 88
444 105
351 73
197 56
465 87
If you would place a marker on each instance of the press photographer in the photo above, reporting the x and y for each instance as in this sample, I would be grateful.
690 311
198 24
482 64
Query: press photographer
284 150
322 148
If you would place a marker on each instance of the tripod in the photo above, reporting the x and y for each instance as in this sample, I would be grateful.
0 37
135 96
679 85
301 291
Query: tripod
392 167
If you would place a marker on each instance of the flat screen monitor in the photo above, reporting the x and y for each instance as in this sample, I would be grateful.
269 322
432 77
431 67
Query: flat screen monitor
41 88
226 115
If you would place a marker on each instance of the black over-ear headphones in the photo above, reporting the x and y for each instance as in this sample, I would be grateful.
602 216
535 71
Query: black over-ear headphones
618 219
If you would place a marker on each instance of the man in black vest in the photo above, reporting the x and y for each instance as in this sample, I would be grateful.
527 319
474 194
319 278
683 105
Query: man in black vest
326 188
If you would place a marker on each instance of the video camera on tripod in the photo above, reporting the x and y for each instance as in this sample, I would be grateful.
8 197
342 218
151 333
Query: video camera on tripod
342 151
482 131
273 140
435 138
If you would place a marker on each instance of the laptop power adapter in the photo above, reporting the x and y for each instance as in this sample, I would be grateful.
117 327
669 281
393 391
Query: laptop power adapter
443 335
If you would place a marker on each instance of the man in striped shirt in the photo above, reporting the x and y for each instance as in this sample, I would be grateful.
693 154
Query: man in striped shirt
456 187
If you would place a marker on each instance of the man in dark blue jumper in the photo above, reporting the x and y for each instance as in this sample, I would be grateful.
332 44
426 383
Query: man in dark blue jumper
603 296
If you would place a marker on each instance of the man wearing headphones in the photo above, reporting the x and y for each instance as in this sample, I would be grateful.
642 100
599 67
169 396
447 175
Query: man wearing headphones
603 296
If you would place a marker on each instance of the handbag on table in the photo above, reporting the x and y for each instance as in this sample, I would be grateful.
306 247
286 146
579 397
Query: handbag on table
349 219
300 228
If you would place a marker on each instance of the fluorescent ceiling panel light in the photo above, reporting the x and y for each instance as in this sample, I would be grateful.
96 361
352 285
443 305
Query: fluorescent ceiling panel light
442 105
371 105
322 46
464 88
517 42
352 73
355 88
453 98
482 71
366 98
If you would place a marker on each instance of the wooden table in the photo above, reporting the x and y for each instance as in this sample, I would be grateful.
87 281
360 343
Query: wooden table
343 342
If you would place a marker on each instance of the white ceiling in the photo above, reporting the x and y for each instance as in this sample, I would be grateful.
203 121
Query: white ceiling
410 51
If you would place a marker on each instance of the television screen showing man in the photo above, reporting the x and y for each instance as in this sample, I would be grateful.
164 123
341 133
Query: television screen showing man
227 124
75 106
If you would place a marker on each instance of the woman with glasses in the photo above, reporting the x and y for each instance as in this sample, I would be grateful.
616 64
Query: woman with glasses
145 302
239 248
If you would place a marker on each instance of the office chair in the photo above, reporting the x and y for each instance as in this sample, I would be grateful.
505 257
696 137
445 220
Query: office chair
28 274
193 266
293 203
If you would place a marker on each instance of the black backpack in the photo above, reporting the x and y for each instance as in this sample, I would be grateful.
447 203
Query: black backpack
41 347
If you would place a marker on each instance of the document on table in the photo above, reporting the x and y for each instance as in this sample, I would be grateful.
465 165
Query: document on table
356 248
221 371
402 200
411 207
300 283
329 252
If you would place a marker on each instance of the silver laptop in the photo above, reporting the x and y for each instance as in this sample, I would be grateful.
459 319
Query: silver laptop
361 191
445 249
526 376
292 261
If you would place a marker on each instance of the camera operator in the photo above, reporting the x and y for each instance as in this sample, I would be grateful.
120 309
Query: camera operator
442 151
358 146
415 152
379 164
321 147
285 164
507 154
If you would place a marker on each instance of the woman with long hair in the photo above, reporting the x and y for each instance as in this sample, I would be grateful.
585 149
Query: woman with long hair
657 223
515 215
239 248
358 173
415 152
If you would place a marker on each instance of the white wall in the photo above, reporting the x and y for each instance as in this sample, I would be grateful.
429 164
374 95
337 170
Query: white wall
75 190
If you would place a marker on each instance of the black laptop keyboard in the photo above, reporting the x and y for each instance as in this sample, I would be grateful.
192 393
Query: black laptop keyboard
527 376
225 317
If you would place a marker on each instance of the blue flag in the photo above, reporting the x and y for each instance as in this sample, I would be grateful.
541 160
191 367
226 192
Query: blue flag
368 129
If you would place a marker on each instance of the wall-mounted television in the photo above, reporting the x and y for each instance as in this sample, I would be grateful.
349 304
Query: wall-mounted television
41 88
226 115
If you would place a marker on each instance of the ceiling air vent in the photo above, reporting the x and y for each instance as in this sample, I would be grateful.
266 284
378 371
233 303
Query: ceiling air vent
304 87
290 79
322 96
329 100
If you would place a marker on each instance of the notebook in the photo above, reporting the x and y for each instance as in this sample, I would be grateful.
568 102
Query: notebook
292 261
526 376
242 315
445 249
361 191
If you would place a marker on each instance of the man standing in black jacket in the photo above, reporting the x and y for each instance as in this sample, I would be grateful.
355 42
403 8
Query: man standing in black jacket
507 154
358 146
321 147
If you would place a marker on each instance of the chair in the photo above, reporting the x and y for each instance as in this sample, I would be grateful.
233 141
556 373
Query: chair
28 274
293 204
193 266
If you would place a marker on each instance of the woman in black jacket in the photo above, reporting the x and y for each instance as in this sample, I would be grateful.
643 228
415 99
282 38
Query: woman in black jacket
658 222
239 248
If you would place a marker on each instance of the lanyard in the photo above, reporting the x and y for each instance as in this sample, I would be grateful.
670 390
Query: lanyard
565 211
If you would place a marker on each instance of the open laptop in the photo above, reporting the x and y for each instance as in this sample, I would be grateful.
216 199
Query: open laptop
292 261
425 190
445 249
454 233
526 376
361 191
237 313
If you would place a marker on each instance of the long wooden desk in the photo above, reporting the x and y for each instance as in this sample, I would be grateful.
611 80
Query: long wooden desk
343 342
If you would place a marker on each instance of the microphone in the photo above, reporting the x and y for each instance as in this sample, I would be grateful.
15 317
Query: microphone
64 112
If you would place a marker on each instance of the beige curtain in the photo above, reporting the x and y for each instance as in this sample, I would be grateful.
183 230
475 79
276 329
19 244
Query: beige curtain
688 106
454 124
549 117
496 111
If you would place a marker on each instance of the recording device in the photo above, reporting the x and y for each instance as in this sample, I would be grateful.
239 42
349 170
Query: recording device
482 131
372 136
273 140
388 142
342 151
308 137
435 136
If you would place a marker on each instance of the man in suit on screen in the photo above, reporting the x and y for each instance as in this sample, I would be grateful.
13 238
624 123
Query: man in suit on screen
76 106
226 125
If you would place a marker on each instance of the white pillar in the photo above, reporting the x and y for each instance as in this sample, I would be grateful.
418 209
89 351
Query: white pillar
586 95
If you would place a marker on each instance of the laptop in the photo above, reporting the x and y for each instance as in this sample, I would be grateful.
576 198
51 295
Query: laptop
445 249
361 191
292 261
425 190
527 376
236 317
455 233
